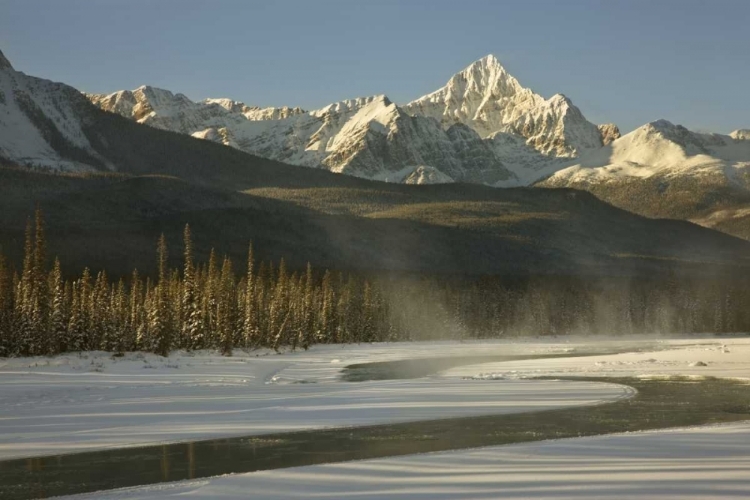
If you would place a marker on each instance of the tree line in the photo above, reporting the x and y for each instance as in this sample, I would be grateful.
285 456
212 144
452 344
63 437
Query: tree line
211 306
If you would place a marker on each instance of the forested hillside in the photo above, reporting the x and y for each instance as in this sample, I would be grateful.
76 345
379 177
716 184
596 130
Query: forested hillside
212 305
110 221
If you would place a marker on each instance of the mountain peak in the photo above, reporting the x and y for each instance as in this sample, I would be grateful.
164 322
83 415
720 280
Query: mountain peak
488 99
4 62
353 104
668 130
742 134
661 124
487 74
488 61
483 95
560 100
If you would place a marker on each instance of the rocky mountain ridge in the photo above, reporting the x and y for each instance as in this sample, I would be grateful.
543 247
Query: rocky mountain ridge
482 126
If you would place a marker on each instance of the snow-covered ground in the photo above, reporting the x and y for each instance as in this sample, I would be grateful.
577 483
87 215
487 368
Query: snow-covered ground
69 403
727 358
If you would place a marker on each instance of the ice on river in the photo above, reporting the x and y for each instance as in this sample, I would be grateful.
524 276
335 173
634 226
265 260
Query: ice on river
74 402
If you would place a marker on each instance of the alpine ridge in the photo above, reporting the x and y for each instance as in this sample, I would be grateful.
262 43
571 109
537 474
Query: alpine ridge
42 123
4 63
483 126
665 170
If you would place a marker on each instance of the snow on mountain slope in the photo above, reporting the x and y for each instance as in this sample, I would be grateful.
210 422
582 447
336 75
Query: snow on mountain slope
41 123
367 137
487 98
665 170
483 95
659 148
450 134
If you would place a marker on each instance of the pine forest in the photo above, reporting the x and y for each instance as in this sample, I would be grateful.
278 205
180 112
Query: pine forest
215 305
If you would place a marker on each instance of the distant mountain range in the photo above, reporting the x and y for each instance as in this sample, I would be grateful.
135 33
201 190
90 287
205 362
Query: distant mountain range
481 127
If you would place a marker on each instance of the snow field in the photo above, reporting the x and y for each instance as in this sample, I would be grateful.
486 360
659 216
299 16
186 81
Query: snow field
302 389
72 403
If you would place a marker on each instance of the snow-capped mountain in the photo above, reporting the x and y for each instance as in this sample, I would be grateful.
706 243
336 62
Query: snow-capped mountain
665 170
367 137
41 123
660 148
483 126
488 99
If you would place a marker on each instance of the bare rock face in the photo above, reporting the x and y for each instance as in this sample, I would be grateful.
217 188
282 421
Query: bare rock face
609 133
4 62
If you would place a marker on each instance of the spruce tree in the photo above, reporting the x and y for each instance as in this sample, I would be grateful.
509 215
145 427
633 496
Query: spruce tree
226 308
250 314
327 325
135 322
211 292
57 325
367 321
100 331
159 320
279 310
85 305
120 312
6 308
144 339
192 321
308 326
24 299
76 320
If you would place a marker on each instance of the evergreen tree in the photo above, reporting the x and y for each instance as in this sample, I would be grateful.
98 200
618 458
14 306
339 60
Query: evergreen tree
279 310
226 308
76 320
159 317
24 310
192 325
367 326
211 287
204 306
308 325
135 323
6 308
327 329
250 311
57 325
85 338
100 329
120 313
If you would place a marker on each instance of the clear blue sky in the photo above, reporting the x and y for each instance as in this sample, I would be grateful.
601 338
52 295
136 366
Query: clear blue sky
628 62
